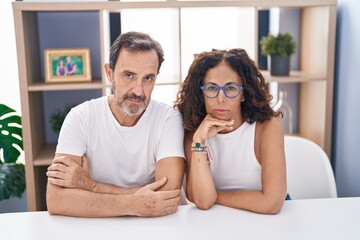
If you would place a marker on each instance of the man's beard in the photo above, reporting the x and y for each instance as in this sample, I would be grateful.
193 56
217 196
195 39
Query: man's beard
134 108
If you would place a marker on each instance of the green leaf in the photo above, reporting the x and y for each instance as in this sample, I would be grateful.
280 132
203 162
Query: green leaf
5 109
58 116
10 134
12 180
282 45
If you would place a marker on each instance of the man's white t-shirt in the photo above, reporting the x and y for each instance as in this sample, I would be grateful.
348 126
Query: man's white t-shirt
123 156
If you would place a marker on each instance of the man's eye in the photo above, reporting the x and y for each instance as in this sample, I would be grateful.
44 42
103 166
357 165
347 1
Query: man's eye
129 75
149 79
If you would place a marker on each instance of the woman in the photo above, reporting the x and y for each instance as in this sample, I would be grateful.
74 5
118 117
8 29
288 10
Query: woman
60 69
234 142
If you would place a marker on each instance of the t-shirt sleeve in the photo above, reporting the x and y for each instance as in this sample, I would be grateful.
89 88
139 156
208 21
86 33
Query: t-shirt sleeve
171 143
73 138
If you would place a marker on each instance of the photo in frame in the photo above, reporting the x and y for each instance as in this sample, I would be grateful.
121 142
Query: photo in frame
67 65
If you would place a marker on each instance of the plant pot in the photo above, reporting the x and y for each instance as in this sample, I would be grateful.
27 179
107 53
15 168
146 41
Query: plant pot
14 204
279 66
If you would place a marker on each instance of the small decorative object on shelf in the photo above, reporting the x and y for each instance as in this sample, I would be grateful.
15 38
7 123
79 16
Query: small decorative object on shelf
279 48
58 116
67 65
283 106
12 173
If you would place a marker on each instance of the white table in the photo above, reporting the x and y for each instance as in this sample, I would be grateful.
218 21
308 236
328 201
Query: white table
298 219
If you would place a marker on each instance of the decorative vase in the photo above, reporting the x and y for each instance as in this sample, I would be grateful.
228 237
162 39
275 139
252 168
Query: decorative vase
279 66
283 106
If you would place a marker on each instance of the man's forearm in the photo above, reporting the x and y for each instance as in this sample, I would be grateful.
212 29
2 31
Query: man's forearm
146 202
82 203
112 189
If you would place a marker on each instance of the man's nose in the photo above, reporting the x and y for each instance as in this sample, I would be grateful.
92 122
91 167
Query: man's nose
138 88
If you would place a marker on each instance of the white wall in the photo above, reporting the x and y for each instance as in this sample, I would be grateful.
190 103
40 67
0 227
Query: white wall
346 153
9 83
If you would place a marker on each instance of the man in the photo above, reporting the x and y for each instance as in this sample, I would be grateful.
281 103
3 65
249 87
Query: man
126 140
70 66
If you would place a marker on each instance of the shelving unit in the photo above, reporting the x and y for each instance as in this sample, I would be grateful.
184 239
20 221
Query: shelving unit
315 77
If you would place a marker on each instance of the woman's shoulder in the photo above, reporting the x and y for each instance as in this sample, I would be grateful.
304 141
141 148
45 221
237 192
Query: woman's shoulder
271 126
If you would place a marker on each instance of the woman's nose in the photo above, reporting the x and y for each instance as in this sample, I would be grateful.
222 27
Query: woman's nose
221 96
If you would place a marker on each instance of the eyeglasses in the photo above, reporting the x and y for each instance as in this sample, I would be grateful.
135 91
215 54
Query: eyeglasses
231 90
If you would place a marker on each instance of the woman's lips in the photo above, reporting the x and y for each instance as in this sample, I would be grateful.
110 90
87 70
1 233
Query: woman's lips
221 110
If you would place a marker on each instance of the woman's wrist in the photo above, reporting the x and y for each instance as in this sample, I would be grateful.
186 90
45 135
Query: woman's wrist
197 139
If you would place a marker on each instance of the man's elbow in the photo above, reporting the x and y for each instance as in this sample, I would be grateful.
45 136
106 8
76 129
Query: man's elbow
52 200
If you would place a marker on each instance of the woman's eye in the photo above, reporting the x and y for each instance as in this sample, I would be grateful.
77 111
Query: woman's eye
230 88
211 88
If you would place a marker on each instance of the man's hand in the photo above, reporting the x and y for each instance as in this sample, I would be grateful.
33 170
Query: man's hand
64 172
151 203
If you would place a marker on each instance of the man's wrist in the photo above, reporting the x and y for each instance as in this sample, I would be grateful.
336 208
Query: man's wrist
93 186
134 190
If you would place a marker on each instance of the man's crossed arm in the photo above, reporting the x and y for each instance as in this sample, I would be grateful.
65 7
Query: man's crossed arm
71 191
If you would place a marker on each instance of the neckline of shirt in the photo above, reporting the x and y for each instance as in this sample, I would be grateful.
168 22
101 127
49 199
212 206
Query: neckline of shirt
139 123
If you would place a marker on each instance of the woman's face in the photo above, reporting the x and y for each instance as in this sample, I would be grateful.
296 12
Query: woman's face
221 106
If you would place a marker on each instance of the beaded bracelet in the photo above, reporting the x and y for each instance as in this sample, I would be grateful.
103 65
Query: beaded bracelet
199 148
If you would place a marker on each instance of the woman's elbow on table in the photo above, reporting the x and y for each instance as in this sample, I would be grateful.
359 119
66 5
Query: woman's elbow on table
204 203
273 207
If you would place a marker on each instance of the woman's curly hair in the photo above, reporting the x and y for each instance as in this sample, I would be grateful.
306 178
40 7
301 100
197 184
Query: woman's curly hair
190 99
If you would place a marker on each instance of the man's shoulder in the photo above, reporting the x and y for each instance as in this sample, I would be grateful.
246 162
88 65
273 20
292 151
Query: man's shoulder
94 104
164 108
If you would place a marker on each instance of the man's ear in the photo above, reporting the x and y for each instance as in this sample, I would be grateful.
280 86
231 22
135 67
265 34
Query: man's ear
108 71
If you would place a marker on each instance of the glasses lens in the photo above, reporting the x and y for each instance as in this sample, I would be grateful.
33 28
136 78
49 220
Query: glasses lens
232 90
211 90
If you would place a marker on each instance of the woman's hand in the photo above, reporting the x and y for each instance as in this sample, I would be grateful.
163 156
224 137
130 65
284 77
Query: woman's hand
211 126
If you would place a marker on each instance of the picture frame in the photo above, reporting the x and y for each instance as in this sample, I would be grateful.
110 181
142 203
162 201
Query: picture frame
67 65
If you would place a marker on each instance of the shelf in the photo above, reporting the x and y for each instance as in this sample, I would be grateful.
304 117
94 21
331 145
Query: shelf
116 5
96 84
46 156
295 77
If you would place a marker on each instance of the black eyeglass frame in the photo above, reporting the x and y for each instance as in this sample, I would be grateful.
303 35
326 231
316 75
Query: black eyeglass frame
221 88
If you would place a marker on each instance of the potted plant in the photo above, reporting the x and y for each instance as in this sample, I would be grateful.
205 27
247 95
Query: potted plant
12 173
279 48
58 116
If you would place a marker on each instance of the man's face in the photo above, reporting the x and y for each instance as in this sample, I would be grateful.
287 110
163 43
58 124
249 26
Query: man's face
133 79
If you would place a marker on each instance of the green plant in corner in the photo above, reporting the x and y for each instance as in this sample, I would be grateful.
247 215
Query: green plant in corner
58 116
12 173
279 48
281 45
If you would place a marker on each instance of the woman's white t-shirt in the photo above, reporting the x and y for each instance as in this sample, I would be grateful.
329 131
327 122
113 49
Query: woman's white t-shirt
234 166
